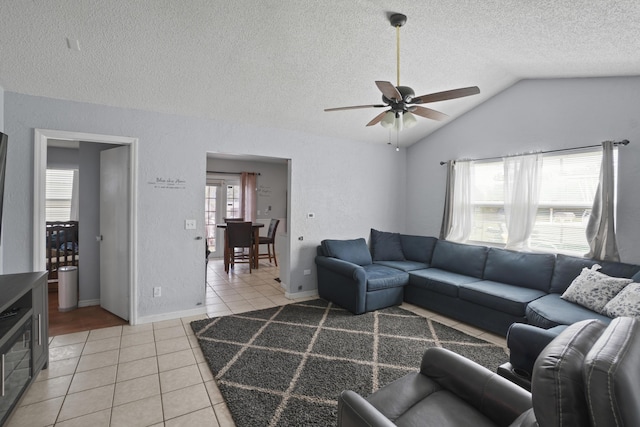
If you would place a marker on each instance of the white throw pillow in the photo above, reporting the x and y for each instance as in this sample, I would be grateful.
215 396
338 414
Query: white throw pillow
626 303
593 290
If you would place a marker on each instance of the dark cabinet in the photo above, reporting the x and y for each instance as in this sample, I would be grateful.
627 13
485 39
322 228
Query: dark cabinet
24 342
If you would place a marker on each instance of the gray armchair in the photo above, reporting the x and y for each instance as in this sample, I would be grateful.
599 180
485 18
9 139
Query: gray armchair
586 376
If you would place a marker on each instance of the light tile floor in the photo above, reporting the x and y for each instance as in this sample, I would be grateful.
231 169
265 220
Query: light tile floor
154 374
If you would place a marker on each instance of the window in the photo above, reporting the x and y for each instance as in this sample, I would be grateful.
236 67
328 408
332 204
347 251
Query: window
233 201
568 186
59 190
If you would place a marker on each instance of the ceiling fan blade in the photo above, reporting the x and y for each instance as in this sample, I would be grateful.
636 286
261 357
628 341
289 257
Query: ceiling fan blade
355 107
389 90
428 113
447 94
377 119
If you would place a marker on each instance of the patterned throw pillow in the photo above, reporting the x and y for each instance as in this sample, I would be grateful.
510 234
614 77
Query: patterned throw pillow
593 290
626 303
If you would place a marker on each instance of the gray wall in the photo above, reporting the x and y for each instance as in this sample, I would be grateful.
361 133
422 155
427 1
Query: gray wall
535 115
272 182
337 188
63 158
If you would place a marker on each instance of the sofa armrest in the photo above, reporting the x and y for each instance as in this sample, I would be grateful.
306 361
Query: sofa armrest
497 398
343 283
355 411
343 268
525 343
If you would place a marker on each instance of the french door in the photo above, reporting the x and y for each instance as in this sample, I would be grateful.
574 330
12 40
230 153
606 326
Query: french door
222 200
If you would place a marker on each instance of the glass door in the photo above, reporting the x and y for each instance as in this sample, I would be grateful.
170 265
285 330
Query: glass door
222 200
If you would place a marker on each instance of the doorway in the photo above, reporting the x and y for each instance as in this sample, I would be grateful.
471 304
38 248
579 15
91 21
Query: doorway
41 139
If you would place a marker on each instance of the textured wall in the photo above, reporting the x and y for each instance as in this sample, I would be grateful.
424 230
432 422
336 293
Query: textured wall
535 115
350 186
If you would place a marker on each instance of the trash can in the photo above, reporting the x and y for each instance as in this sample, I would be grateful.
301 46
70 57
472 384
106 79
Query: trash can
67 288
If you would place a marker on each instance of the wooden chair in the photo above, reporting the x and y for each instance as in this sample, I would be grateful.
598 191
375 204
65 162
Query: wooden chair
240 236
234 219
270 240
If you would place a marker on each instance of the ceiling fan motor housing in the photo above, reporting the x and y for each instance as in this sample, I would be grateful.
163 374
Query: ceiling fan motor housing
407 96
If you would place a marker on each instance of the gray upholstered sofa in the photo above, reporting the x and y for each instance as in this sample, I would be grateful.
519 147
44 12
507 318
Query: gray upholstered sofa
490 288
585 376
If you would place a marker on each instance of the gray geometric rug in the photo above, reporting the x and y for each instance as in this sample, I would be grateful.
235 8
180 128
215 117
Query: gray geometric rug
286 366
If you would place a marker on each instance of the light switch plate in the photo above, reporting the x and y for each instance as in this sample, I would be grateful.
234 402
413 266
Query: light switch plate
189 224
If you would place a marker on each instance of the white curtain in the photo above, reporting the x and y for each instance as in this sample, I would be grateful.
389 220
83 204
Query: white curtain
601 231
521 198
74 214
461 220
248 196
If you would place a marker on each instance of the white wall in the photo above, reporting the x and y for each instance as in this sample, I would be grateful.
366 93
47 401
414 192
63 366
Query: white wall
350 186
535 115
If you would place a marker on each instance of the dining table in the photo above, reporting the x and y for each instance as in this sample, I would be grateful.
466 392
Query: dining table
255 227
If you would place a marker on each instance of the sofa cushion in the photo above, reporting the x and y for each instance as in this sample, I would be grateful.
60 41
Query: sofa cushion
404 265
386 246
441 281
467 260
381 277
519 268
626 303
593 290
568 268
418 248
551 310
499 296
355 251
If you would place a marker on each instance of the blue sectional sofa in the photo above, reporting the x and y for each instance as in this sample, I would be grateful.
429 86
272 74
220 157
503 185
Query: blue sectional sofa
487 287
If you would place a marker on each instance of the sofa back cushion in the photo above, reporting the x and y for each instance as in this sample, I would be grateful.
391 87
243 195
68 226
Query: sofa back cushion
519 268
355 251
458 258
610 374
567 268
557 386
386 246
418 248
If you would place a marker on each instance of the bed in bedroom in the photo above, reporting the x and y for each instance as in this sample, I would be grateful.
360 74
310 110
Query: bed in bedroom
62 246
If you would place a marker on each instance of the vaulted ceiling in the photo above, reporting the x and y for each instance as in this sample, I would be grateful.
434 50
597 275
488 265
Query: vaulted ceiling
279 63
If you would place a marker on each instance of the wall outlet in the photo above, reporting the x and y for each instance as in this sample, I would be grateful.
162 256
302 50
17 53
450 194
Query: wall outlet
300 287
307 272
189 224
157 292
311 215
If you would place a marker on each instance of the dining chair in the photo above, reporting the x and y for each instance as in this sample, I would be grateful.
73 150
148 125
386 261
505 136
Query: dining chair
270 241
240 219
240 236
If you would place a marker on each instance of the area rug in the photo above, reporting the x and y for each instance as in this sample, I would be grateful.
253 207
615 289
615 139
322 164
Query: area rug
286 366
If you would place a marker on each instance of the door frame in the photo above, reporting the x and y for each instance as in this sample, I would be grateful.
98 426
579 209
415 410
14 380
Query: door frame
41 137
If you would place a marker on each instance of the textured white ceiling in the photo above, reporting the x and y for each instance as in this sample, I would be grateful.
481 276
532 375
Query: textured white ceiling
279 63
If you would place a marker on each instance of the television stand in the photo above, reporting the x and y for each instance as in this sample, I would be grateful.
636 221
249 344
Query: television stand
24 338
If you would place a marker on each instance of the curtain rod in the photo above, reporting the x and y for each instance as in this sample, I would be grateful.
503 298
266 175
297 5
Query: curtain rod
232 173
623 142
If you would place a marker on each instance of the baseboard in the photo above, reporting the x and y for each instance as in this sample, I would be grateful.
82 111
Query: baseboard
170 316
305 294
88 302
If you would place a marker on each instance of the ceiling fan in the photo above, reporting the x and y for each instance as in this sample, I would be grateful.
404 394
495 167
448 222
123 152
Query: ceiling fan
401 100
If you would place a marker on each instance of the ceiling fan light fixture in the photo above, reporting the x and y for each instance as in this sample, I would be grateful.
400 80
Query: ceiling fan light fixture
389 120
409 120
398 126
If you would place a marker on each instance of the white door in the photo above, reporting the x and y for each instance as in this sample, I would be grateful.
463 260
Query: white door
114 231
